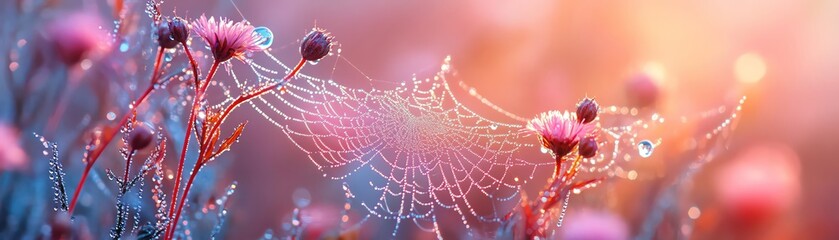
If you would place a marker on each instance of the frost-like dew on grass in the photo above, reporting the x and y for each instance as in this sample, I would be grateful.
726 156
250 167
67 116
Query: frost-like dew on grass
414 151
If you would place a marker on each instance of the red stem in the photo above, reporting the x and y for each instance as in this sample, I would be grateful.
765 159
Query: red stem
204 146
199 95
248 96
192 63
109 135
171 233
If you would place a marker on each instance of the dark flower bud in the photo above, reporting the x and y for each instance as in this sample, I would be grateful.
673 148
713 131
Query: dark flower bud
316 45
587 110
141 136
164 35
588 147
180 29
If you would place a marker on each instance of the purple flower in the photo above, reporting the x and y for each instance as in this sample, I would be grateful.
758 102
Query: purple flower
226 38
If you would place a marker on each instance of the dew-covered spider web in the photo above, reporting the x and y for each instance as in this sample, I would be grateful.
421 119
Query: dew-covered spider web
413 152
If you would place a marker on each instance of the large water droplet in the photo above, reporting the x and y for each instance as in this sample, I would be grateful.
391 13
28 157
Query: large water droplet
123 47
493 127
266 35
645 148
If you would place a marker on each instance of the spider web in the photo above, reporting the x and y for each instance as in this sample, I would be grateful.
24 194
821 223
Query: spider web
413 151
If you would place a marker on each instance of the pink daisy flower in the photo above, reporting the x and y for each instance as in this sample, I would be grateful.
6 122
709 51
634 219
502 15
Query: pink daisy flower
226 38
559 131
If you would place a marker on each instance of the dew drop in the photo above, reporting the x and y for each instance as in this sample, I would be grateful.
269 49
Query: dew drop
123 47
111 116
167 57
493 126
645 148
267 37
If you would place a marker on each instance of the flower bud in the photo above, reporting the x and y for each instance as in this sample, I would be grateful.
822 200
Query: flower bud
141 136
588 147
180 29
164 35
587 110
316 45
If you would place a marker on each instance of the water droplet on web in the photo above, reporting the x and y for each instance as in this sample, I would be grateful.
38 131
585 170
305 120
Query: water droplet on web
123 47
645 148
544 149
493 126
167 57
301 197
266 35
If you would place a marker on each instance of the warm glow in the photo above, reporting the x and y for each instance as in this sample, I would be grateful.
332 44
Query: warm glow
656 71
750 68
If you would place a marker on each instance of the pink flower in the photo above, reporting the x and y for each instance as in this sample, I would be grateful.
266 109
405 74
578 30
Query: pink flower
595 225
76 36
559 131
12 155
227 39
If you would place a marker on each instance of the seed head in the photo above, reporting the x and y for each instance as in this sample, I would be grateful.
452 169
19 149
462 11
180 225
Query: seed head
316 45
141 136
587 110
588 147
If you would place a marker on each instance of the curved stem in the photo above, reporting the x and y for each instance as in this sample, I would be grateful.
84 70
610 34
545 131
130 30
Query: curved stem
247 97
192 63
109 135
196 101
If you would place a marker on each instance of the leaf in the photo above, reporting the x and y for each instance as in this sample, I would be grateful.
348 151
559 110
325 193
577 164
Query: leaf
225 145
208 154
233 137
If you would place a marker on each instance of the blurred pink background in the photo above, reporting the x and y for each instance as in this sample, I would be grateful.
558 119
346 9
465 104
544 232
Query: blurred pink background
534 56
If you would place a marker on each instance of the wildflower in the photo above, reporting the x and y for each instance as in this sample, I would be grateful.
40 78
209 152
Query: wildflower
588 147
141 136
164 35
74 37
587 110
179 28
759 184
559 131
226 38
316 45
